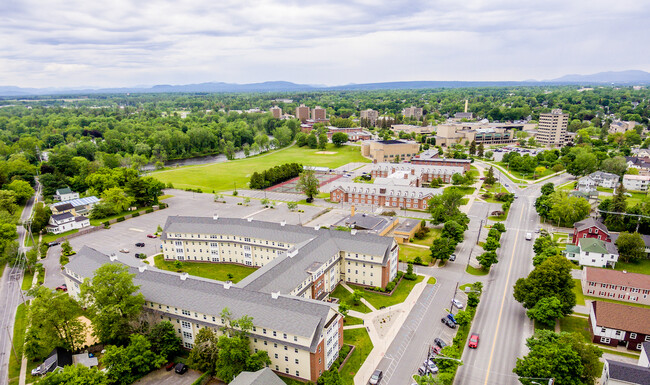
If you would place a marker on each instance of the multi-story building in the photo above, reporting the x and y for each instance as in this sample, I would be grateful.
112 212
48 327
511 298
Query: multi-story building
355 134
636 182
391 196
412 129
318 114
412 112
370 115
552 129
431 158
81 206
389 150
615 325
590 228
616 285
423 174
302 113
65 194
302 336
479 132
60 223
592 252
276 112
294 260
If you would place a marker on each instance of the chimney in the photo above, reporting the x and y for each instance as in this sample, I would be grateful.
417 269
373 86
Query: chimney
284 222
142 268
275 295
184 276
352 210
249 219
215 216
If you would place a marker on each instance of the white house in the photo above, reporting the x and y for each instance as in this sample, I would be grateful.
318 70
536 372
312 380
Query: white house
60 223
65 194
586 184
605 179
593 252
636 182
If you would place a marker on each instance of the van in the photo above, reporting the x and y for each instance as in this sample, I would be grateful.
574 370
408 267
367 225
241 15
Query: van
529 236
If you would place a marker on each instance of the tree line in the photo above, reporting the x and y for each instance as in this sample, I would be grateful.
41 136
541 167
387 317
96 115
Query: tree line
274 175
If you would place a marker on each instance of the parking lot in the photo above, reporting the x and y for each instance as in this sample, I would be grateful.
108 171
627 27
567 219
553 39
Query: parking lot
126 234
163 377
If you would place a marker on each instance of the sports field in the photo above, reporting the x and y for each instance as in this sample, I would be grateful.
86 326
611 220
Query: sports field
224 176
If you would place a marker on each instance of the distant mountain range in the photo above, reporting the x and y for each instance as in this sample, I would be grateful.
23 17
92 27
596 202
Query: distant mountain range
611 77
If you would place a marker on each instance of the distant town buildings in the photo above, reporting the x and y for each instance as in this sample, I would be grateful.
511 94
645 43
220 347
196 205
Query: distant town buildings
431 157
318 113
412 112
370 115
480 132
276 112
591 182
355 134
619 126
552 129
389 150
302 113
412 129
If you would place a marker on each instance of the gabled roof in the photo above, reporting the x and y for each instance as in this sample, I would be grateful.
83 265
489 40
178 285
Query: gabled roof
615 277
593 245
78 202
63 206
263 376
65 190
61 217
590 222
630 373
621 317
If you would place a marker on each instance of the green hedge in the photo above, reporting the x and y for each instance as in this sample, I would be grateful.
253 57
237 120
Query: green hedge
136 214
203 379
149 210
120 219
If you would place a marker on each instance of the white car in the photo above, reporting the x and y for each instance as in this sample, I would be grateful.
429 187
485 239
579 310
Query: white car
457 303
529 236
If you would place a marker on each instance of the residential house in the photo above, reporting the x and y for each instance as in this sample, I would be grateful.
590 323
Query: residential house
636 182
590 228
622 373
264 376
60 223
587 185
592 252
605 179
58 359
391 196
81 206
642 164
302 336
619 325
616 285
65 194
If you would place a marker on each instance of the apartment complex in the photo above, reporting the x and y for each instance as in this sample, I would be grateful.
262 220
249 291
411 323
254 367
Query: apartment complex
479 132
370 115
619 325
276 112
302 336
617 285
318 114
384 195
293 260
421 174
389 150
412 112
552 129
636 182
302 113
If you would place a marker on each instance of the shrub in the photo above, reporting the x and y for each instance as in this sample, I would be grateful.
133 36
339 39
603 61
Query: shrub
275 175
106 224
64 259
389 213
149 210
121 219
418 261
390 286
170 185
135 215
235 193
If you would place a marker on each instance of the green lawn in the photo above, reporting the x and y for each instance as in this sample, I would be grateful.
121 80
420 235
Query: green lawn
408 254
576 325
290 381
345 296
474 271
97 222
525 176
432 281
163 197
224 176
558 236
399 294
590 298
49 237
577 289
28 278
349 320
363 345
568 186
218 271
495 188
642 266
463 190
428 240
18 341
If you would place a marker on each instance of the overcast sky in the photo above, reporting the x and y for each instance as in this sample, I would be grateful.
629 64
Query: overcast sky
111 43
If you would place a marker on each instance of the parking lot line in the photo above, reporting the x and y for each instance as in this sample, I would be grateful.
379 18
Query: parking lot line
134 229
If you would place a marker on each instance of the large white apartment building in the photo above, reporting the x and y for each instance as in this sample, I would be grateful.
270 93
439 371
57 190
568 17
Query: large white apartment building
636 182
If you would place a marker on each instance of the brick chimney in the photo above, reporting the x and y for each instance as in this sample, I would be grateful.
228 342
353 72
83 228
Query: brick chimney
352 210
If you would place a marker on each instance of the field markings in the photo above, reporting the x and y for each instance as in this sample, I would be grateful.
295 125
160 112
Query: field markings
134 229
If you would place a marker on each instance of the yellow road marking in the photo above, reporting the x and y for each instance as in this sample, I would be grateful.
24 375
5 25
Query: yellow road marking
503 300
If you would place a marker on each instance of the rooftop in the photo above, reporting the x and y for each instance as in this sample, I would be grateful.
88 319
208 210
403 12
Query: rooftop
65 190
608 315
391 142
590 222
78 202
263 376
593 245
630 373
615 277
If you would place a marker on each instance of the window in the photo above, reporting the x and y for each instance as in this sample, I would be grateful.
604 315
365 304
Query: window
285 347
275 345
647 338
274 334
296 360
187 335
297 373
185 312
285 336
186 325
295 350
276 355
638 346
286 358
604 340
295 339
632 336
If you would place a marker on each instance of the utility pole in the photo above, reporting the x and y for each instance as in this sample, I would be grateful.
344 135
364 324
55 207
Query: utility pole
12 344
479 232
451 309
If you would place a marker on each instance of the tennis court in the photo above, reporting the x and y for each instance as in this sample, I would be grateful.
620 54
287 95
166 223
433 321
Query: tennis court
290 185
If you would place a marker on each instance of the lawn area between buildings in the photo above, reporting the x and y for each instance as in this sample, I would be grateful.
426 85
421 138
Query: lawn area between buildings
345 296
409 253
363 345
577 290
399 294
224 176
428 240
28 278
218 271
642 266
578 325
349 320
15 360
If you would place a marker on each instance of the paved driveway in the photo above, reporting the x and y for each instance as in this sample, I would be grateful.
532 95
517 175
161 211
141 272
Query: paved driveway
163 377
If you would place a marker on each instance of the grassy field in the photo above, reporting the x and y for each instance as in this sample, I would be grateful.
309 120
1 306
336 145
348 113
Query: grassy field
577 289
462 190
399 294
218 271
361 340
49 237
642 266
525 176
18 341
576 325
349 320
428 240
408 254
475 271
224 176
344 295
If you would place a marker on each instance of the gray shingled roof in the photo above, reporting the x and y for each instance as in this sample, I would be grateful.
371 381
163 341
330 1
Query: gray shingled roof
60 217
263 376
590 222
633 374
298 316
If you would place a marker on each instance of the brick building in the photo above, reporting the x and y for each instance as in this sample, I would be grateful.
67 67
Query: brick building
590 228
619 325
395 197
617 285
424 174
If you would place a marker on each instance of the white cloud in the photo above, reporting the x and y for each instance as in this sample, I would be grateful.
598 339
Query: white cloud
124 42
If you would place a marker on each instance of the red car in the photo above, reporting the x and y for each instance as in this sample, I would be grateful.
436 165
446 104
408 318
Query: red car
63 287
473 341
151 236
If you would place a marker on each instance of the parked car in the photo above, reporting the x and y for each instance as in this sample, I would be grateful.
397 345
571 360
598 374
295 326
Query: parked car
422 370
181 368
151 235
435 350
141 255
452 318
124 250
529 236
431 366
448 322
452 257
376 377
139 244
53 243
170 366
457 303
440 342
473 341
63 287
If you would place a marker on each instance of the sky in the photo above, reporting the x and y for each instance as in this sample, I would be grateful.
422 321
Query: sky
116 43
